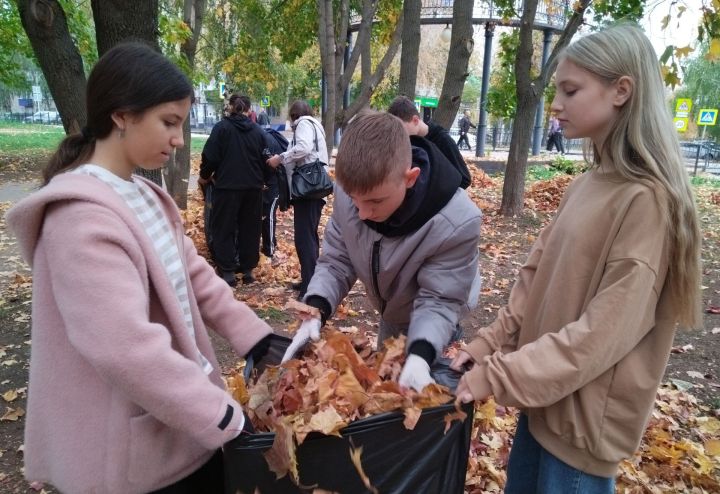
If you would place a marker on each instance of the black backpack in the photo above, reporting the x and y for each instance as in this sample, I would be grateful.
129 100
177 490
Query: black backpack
276 144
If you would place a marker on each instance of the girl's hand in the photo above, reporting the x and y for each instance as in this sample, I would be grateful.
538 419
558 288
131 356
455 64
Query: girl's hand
461 361
463 391
274 161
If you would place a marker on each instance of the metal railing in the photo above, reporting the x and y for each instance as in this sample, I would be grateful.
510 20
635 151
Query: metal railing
550 14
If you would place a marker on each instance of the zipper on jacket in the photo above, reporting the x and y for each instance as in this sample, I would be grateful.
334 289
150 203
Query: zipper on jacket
375 270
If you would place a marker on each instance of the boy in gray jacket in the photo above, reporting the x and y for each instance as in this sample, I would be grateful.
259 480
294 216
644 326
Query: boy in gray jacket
401 225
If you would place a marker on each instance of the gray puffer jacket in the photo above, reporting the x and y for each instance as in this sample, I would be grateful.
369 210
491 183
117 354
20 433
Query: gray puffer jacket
422 283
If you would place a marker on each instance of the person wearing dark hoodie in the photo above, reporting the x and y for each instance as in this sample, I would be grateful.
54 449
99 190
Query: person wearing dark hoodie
404 227
233 160
404 108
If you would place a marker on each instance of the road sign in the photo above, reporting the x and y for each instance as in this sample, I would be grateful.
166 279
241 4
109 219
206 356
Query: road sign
265 101
428 101
683 107
707 116
222 89
681 123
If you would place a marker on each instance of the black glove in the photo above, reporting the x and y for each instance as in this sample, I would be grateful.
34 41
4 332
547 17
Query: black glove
259 351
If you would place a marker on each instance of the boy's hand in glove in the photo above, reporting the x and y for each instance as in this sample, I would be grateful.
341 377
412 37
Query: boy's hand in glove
415 373
309 330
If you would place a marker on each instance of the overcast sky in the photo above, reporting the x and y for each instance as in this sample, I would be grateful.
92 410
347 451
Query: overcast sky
679 33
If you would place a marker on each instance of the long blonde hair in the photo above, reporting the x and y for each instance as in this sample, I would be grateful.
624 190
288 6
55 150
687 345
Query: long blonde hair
643 147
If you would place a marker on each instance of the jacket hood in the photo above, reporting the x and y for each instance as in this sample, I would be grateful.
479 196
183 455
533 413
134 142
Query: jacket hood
241 122
25 219
436 185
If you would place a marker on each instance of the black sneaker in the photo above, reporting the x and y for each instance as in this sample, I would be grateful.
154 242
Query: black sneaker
296 286
228 277
248 278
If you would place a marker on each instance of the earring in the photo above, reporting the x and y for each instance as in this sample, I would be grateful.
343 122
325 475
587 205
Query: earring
121 133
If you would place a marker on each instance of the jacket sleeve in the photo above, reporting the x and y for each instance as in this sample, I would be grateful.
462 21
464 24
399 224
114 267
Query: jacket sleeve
213 151
620 314
104 307
445 281
304 143
230 318
334 273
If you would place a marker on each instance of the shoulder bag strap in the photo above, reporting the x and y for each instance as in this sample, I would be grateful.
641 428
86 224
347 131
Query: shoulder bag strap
314 131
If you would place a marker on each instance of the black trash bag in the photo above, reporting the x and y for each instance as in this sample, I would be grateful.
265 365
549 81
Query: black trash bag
396 460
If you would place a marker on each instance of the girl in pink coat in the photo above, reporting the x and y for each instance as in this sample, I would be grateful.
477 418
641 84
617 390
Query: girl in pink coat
125 392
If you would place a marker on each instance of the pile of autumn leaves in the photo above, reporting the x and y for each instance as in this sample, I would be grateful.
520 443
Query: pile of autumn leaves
338 380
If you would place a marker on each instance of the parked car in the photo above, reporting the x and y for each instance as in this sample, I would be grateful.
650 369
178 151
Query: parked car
700 149
45 117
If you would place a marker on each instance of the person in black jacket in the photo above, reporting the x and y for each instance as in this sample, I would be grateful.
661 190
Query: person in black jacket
404 108
464 124
233 159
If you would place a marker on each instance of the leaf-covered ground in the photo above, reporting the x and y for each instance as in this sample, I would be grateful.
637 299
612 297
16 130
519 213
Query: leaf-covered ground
681 448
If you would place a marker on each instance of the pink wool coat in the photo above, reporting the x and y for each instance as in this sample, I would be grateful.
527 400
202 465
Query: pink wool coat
117 400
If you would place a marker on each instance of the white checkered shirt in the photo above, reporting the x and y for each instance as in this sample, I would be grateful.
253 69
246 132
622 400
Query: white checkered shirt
141 199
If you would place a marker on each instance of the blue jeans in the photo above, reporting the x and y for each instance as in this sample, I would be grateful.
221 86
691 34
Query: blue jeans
532 469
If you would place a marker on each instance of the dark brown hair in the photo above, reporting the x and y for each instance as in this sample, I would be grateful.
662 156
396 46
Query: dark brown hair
374 148
299 109
130 77
404 108
242 104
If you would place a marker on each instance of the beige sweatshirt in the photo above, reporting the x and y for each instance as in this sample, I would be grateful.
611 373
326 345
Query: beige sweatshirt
583 342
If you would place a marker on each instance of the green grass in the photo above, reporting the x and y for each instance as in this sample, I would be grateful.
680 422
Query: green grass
541 172
706 181
18 137
272 314
15 137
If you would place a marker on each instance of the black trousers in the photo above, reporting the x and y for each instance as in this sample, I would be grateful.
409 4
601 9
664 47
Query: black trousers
269 215
307 241
236 221
556 139
463 137
209 478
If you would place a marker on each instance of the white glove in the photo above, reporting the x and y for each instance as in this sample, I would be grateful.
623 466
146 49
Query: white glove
309 330
415 373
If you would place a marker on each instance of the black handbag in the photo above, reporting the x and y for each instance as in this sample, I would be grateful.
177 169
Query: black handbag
311 181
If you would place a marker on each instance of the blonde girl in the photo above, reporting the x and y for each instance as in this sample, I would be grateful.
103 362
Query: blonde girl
582 345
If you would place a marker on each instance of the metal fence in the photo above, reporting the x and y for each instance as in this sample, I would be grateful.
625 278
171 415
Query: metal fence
497 138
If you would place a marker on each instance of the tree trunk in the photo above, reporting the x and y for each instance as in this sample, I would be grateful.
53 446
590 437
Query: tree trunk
529 92
456 70
177 171
46 26
409 55
125 20
326 38
370 81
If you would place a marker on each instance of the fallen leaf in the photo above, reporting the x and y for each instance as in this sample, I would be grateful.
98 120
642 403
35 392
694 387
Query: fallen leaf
10 395
12 414
355 454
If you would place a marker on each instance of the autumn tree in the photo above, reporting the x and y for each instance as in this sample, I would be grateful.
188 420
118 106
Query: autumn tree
379 20
701 84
